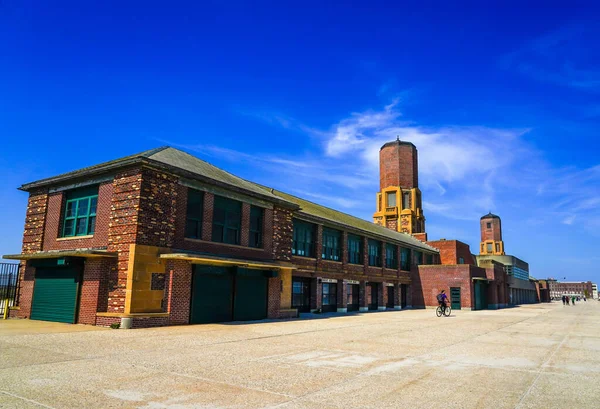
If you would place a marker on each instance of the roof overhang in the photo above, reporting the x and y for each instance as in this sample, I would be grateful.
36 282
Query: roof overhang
59 254
226 262
487 280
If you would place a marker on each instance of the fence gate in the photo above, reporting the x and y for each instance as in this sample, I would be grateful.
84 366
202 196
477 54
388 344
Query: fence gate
9 286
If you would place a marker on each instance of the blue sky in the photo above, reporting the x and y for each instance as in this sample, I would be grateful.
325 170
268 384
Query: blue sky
502 101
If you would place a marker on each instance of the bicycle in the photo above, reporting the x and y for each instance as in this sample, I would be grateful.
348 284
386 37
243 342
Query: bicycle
439 311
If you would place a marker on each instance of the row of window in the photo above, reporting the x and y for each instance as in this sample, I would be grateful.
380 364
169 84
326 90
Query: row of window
304 246
80 217
227 220
80 220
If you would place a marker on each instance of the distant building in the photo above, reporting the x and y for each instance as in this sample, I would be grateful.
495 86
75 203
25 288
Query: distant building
522 288
595 291
576 288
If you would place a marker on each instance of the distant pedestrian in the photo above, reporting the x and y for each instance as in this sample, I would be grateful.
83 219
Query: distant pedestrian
573 300
563 300
584 299
567 299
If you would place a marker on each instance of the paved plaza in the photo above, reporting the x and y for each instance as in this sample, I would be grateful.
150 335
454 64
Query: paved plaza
534 356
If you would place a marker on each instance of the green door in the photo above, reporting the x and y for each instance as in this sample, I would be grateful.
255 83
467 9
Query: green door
455 298
212 289
55 295
250 302
480 295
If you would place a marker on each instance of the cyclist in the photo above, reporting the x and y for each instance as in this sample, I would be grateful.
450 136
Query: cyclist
442 299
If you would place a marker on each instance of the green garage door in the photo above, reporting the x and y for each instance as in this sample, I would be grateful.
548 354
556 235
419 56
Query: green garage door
455 298
212 289
250 302
221 294
55 294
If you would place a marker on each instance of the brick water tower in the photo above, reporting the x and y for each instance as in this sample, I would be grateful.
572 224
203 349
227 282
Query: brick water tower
399 199
491 236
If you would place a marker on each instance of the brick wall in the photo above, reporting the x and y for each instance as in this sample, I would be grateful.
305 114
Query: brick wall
93 288
157 209
35 218
493 233
122 232
429 280
398 166
54 220
179 291
451 250
283 233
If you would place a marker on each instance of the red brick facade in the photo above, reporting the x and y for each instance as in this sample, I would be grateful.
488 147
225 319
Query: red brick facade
451 251
398 165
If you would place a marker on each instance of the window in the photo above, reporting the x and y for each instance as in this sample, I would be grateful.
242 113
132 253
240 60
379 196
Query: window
352 294
405 259
355 250
418 258
391 256
374 253
193 215
406 200
331 244
429 259
461 260
489 225
227 219
80 212
497 247
391 199
489 247
329 294
303 239
256 227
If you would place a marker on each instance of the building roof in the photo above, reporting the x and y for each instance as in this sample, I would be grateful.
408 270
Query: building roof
165 157
320 212
490 215
397 142
180 162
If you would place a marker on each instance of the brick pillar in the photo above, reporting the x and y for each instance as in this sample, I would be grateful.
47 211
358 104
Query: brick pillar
344 250
397 296
319 246
316 294
207 216
179 275
245 231
381 296
409 295
27 276
342 296
362 297
274 297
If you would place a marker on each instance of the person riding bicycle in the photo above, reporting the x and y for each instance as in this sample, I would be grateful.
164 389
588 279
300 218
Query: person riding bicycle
442 299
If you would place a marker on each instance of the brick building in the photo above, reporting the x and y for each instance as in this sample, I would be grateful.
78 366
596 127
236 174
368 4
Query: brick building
164 238
577 288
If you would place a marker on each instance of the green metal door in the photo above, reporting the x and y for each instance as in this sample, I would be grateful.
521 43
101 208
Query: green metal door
250 301
212 289
480 295
55 294
455 298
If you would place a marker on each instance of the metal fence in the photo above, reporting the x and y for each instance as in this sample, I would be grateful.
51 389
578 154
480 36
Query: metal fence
9 286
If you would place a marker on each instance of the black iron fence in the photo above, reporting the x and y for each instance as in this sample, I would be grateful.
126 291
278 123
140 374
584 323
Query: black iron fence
9 286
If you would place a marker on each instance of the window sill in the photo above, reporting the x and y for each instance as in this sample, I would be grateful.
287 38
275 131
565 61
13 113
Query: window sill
89 236
331 261
304 257
237 246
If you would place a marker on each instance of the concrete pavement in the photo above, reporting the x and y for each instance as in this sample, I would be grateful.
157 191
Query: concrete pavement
535 356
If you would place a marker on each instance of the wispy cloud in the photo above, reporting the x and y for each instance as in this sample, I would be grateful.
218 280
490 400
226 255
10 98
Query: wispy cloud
560 57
